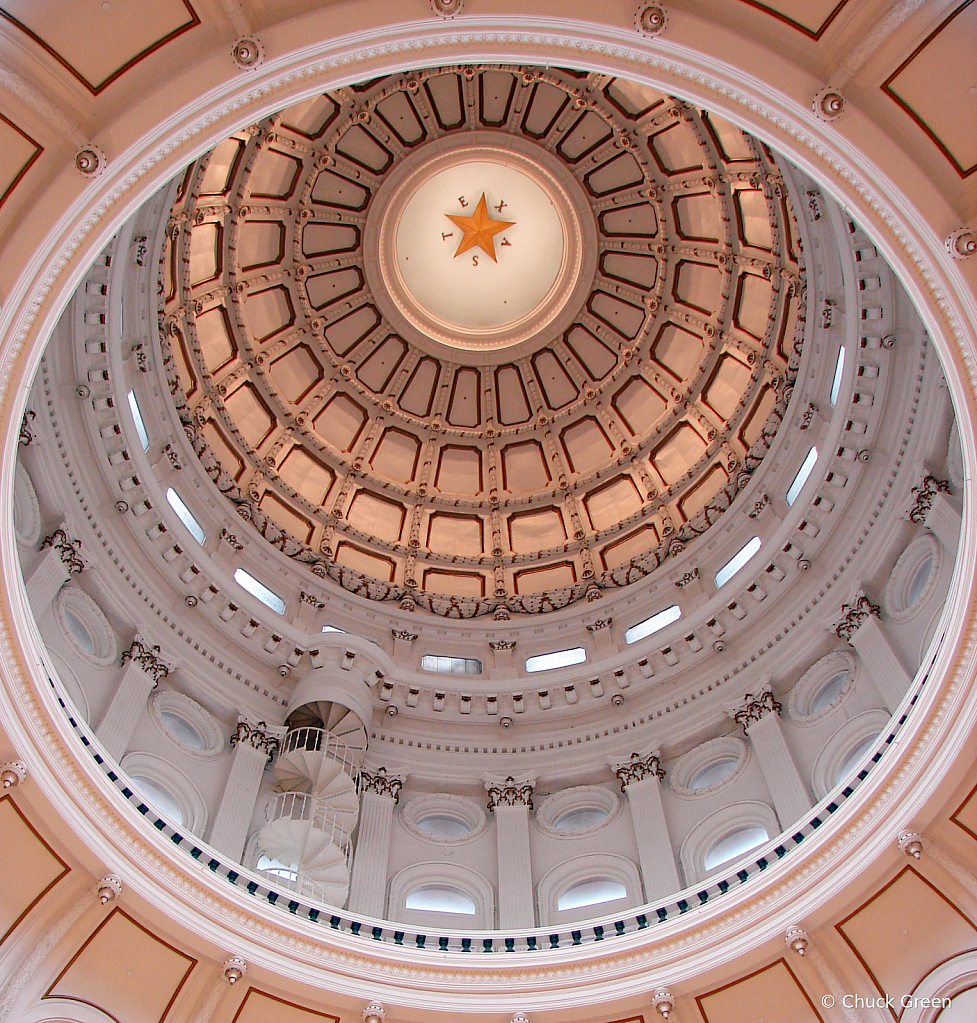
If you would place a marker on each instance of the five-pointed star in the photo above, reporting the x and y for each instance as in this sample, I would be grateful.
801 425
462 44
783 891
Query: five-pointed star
479 229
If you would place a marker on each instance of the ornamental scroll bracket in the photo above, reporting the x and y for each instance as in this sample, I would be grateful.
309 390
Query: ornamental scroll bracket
259 735
381 784
148 658
639 767
854 614
511 792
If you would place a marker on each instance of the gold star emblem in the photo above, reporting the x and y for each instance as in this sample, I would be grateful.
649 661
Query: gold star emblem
479 229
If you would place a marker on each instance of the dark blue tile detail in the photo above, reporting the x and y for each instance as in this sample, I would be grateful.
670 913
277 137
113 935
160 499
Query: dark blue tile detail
683 906
214 864
510 944
335 921
531 943
378 933
398 937
443 944
598 934
314 915
466 944
743 875
762 863
486 944
420 939
576 937
554 941
355 927
232 876
252 887
619 926
273 897
703 897
292 906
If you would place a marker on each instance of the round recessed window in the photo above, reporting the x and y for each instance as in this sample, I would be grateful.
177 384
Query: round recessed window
921 576
854 758
85 627
714 773
581 819
181 729
442 825
829 692
913 577
79 630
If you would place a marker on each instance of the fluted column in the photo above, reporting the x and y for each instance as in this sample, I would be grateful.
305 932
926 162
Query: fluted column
641 779
379 794
510 801
254 744
760 717
859 626
144 670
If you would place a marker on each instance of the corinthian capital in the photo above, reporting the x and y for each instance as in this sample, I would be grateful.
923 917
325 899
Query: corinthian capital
381 783
259 735
755 707
511 792
639 767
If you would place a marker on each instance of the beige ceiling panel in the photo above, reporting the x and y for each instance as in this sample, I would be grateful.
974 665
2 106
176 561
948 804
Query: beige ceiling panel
632 268
330 287
536 530
182 361
633 99
125 971
698 285
455 535
454 584
215 338
417 396
339 192
595 357
274 175
223 449
613 503
811 17
558 388
551 577
495 92
676 149
754 423
546 103
285 516
348 331
619 173
699 216
513 403
524 467
363 149
221 166
677 351
772 994
376 516
329 239
341 422
680 451
753 218
249 413
629 221
622 551
729 382
639 405
619 315
349 556
396 455
947 114
259 1007
734 146
702 493
586 444
459 470
398 113
966 815
311 117
444 92
17 152
463 406
381 364
754 296
587 133
260 243
904 930
269 312
296 373
306 475
38 867
96 41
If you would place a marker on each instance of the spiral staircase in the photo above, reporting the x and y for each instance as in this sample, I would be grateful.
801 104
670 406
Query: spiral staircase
309 824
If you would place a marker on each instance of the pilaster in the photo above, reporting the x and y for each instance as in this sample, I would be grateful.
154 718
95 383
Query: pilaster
380 793
511 800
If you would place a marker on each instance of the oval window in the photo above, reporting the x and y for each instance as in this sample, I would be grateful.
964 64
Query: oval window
154 793
917 587
713 773
580 819
829 692
591 893
442 825
437 898
79 630
737 843
182 730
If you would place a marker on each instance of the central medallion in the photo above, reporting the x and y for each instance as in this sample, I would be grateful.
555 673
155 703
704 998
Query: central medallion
480 247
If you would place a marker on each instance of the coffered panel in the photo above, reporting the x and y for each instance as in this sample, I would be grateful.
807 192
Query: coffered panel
812 17
260 1007
18 151
773 994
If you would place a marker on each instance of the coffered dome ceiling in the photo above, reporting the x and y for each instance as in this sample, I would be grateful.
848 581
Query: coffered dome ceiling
414 435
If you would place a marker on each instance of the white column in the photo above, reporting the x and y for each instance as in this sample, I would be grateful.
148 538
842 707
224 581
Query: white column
368 882
511 801
641 780
880 662
49 575
760 718
943 521
128 702
254 745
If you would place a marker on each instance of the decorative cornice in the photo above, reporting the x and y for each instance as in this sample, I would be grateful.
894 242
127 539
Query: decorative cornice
403 634
853 614
259 735
756 708
600 623
639 767
231 539
923 497
381 784
687 579
510 792
67 548
148 658
503 644
311 598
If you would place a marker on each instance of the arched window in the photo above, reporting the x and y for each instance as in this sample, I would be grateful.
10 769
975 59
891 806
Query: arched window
441 894
155 793
845 752
440 898
593 892
728 835
733 845
587 886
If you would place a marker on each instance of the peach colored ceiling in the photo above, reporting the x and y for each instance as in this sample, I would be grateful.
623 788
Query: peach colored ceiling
524 480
